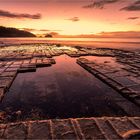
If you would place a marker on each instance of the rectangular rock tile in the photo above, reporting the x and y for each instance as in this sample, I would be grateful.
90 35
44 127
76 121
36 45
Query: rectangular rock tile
118 74
2 129
135 88
113 83
16 131
18 62
28 66
52 61
136 121
40 130
26 61
33 61
5 81
46 61
136 79
63 129
6 66
8 74
84 60
1 94
122 125
136 65
2 64
90 129
11 69
2 69
127 92
28 69
124 81
74 55
107 129
9 63
128 68
40 63
135 71
48 55
14 66
38 55
104 71
97 67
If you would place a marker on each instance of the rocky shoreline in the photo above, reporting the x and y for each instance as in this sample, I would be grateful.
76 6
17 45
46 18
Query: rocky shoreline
124 78
105 128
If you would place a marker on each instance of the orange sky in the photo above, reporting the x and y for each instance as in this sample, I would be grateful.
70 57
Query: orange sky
71 16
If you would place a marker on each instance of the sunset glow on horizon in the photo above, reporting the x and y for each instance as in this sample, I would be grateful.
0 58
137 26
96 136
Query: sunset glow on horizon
71 17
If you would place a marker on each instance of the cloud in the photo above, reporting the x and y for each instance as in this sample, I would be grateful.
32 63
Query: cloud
17 15
100 4
40 30
133 7
74 19
129 34
132 18
137 2
28 29
45 30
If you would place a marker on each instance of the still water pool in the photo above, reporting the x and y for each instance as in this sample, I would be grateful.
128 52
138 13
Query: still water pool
64 90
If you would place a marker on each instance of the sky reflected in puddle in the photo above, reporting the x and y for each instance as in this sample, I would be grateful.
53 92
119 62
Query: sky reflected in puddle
64 90
108 61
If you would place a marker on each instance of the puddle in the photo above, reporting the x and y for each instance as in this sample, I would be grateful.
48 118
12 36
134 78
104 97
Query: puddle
108 61
64 90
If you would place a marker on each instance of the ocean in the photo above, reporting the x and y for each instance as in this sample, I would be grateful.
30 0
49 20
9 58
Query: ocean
117 43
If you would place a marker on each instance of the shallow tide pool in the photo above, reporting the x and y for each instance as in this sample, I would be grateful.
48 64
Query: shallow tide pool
64 90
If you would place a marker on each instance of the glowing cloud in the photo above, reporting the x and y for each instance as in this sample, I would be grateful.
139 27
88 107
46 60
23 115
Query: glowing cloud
74 19
133 7
17 15
100 4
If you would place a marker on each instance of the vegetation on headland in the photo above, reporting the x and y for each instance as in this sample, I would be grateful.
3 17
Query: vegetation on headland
49 35
13 32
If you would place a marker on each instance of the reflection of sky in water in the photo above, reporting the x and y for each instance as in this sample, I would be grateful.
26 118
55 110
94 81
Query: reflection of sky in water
65 90
108 61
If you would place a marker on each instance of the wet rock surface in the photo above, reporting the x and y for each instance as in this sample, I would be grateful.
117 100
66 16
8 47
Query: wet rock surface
116 76
63 90
105 128
122 76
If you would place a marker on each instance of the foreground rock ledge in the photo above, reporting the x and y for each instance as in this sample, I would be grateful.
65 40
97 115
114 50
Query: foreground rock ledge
80 128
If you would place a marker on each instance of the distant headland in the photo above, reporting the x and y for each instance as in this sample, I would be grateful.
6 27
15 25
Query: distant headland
13 32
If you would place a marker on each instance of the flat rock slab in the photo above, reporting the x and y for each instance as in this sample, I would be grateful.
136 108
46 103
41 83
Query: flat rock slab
127 86
25 59
1 94
106 128
63 129
39 130
5 82
15 131
8 74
